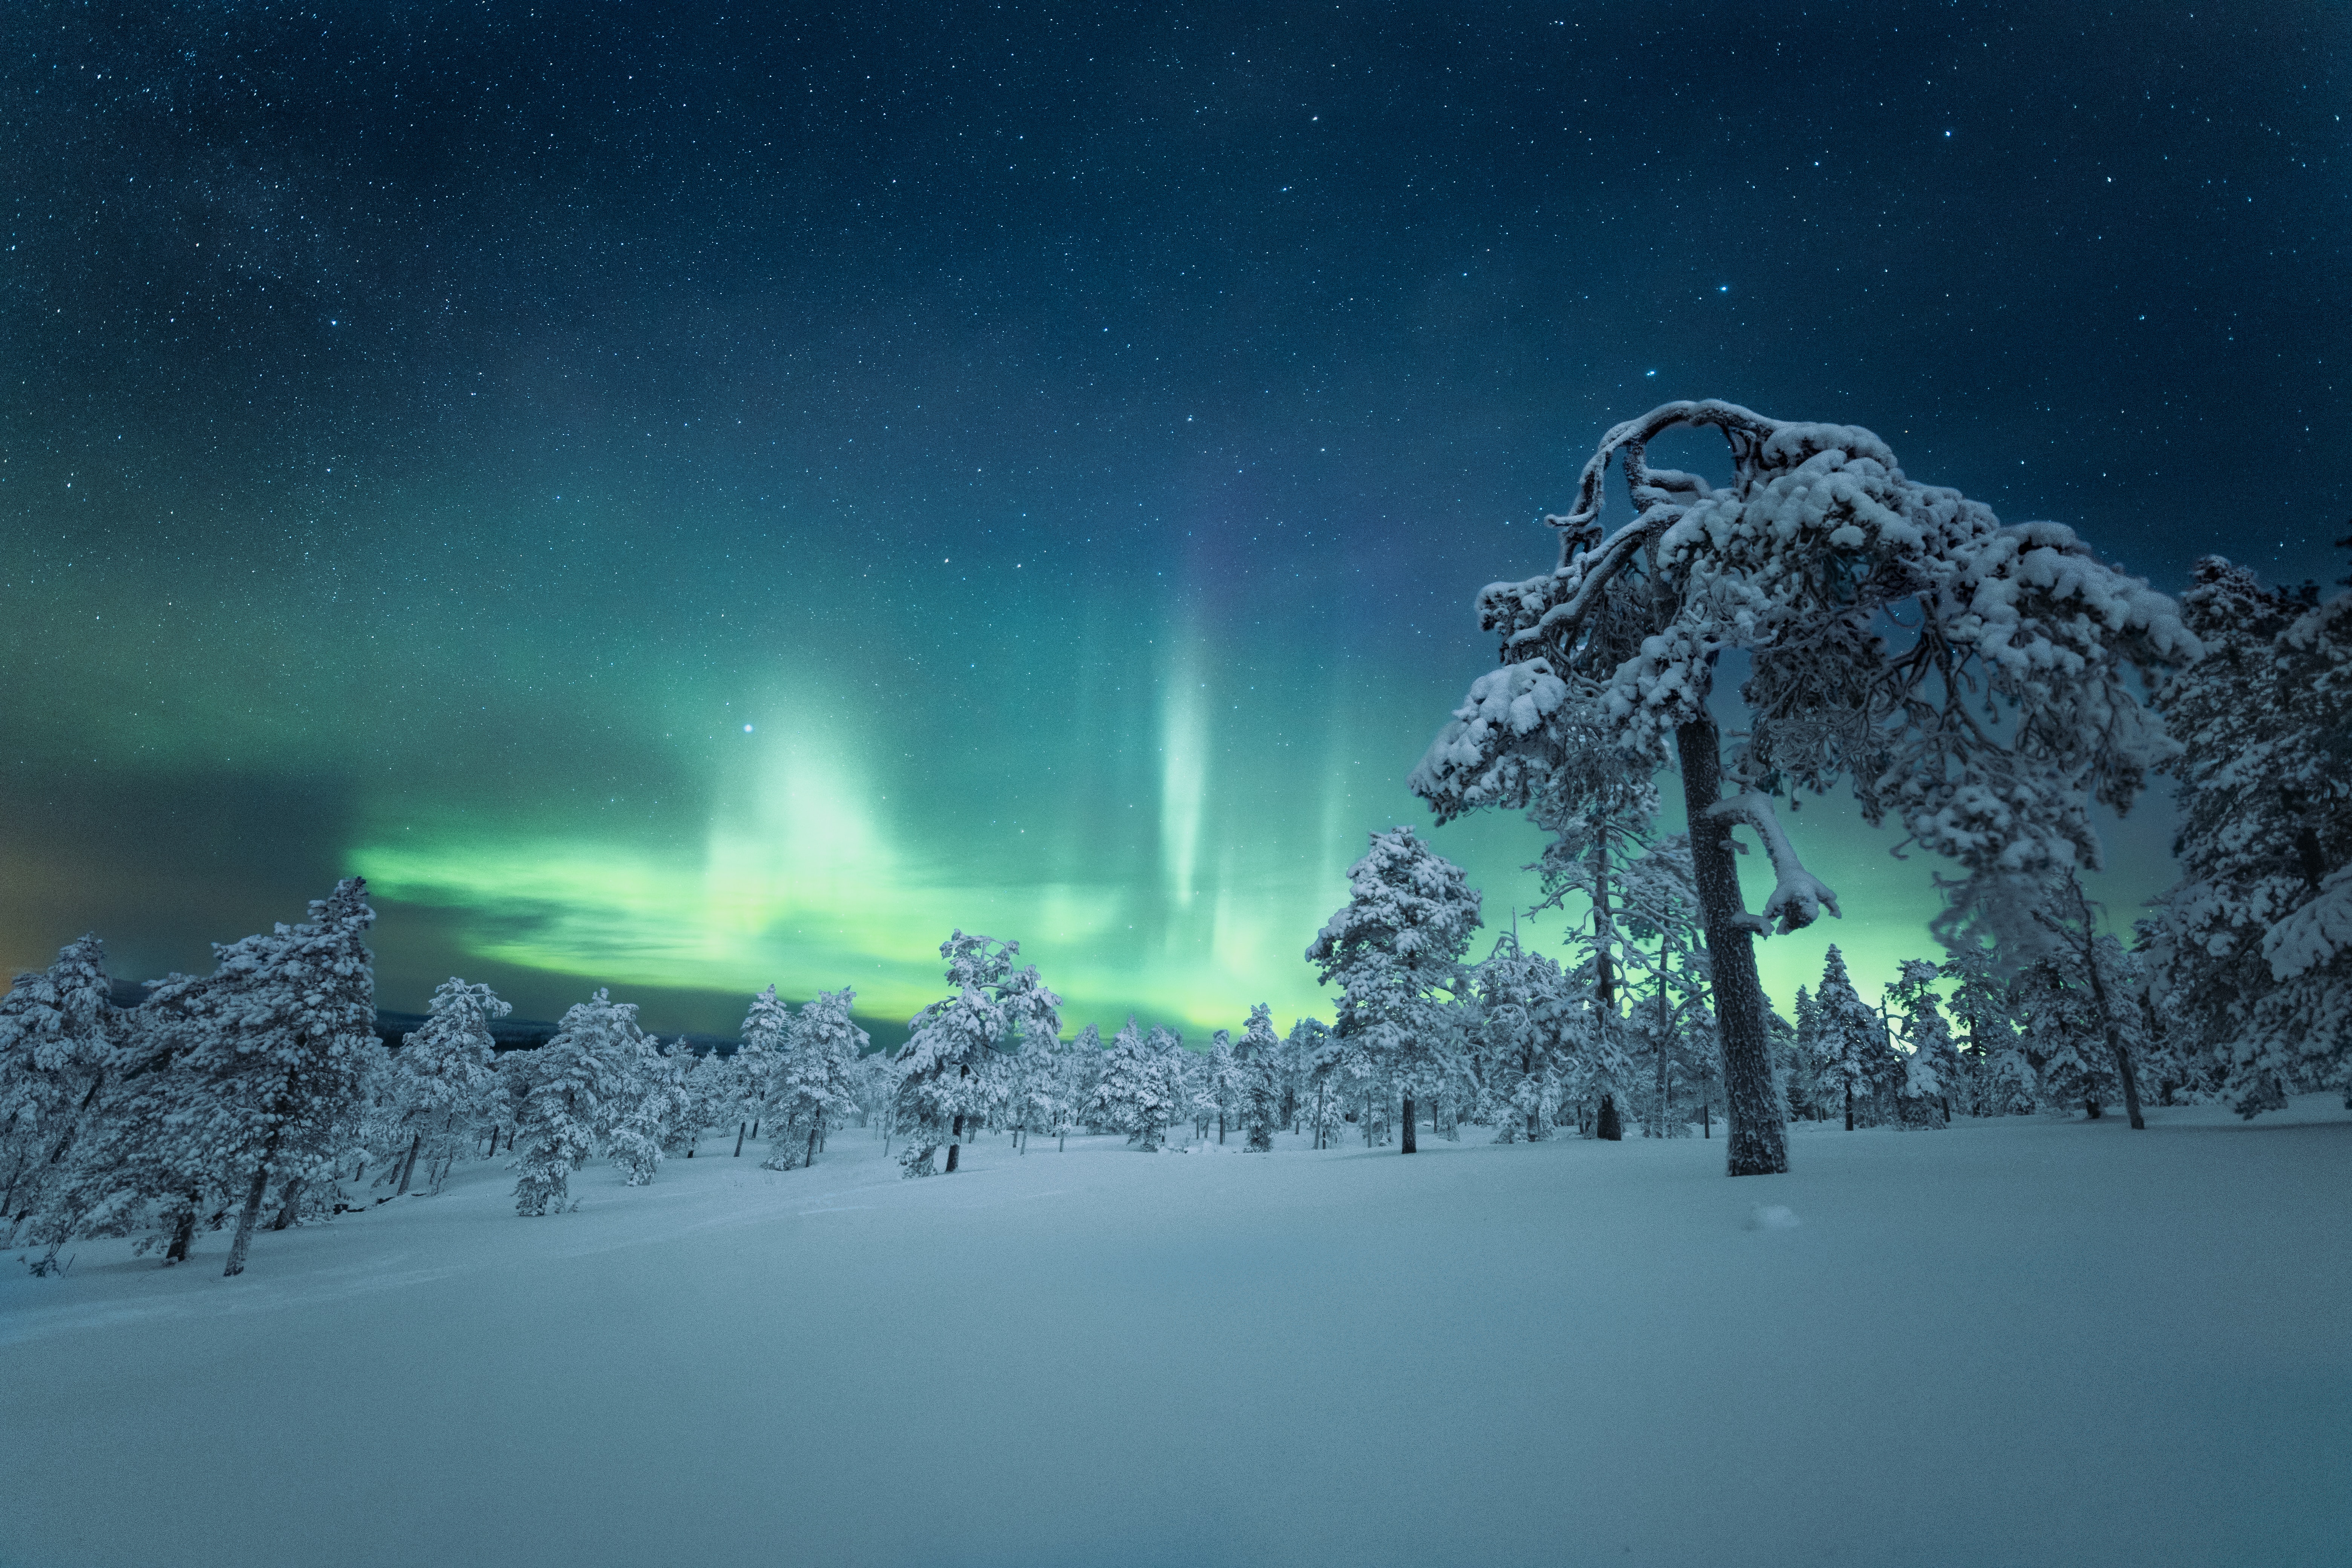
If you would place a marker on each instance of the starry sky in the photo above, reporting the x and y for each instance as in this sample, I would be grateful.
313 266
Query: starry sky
689 497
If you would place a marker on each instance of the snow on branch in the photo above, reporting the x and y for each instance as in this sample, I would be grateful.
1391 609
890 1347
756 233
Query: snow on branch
2314 934
1798 896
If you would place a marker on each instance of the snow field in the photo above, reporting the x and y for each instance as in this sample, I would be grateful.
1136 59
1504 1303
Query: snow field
2018 1342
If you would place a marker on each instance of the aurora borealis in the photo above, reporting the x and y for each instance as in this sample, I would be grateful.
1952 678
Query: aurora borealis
685 499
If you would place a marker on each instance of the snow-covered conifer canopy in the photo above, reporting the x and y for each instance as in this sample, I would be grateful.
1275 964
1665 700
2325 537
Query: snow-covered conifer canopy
1974 680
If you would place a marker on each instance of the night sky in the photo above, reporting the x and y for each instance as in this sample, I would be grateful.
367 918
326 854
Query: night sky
684 499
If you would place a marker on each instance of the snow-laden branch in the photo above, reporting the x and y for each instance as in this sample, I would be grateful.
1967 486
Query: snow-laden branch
1798 896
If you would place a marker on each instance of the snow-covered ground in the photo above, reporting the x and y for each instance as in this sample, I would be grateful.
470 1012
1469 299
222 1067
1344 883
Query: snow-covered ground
2024 1342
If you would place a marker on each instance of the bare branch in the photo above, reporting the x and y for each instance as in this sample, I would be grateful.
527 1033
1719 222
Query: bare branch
1798 896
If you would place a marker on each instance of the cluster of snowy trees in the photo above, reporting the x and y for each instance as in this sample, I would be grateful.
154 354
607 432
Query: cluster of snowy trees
1980 685
263 1089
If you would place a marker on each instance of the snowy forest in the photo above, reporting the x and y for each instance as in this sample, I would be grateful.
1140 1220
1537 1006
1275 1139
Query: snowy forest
1977 684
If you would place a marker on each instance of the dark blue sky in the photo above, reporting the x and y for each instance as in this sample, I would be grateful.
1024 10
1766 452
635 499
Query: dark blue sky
1069 439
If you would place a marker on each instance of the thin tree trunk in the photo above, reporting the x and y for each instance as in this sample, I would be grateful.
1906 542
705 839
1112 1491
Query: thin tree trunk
408 1166
2115 1031
1849 1107
1663 1024
291 1208
812 1148
184 1234
955 1142
1611 1128
739 1126
1756 1139
1410 1147
242 1242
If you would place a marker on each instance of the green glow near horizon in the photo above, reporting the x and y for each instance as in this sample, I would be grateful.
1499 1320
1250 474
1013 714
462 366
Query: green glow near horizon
809 875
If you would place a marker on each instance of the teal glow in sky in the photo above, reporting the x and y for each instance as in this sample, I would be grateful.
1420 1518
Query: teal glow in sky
687 502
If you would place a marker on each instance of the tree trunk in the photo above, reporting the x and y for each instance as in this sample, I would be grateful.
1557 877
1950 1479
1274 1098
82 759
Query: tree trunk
2091 1109
242 1242
1410 1147
739 1128
2114 1030
755 1127
1705 1119
1756 1141
291 1208
1849 1108
408 1166
955 1142
1611 1128
184 1234
812 1148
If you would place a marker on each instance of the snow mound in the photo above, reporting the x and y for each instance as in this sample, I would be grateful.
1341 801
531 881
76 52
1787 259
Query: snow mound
1772 1216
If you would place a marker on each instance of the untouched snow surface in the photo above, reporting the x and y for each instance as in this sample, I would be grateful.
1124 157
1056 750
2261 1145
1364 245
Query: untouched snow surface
2015 1342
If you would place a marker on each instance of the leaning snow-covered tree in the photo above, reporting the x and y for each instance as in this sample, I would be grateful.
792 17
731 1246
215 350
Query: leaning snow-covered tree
60 1035
443 1077
280 1041
1393 946
1972 680
953 1060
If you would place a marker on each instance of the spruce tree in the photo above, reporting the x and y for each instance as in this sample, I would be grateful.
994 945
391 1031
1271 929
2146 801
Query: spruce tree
1395 948
1141 1088
952 1065
1931 1069
1852 1043
816 1083
1260 1089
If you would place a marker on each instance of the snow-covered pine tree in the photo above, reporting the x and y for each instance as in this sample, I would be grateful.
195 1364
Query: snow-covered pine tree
1307 1053
952 1062
2109 978
1394 946
2061 1039
443 1079
1078 1071
654 1098
1525 1042
1259 1088
1806 1062
686 1128
2254 944
61 1040
817 1085
1819 544
571 1093
1931 1066
1142 1090
1996 1080
1224 1080
752 1067
1852 1040
713 1094
283 1043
